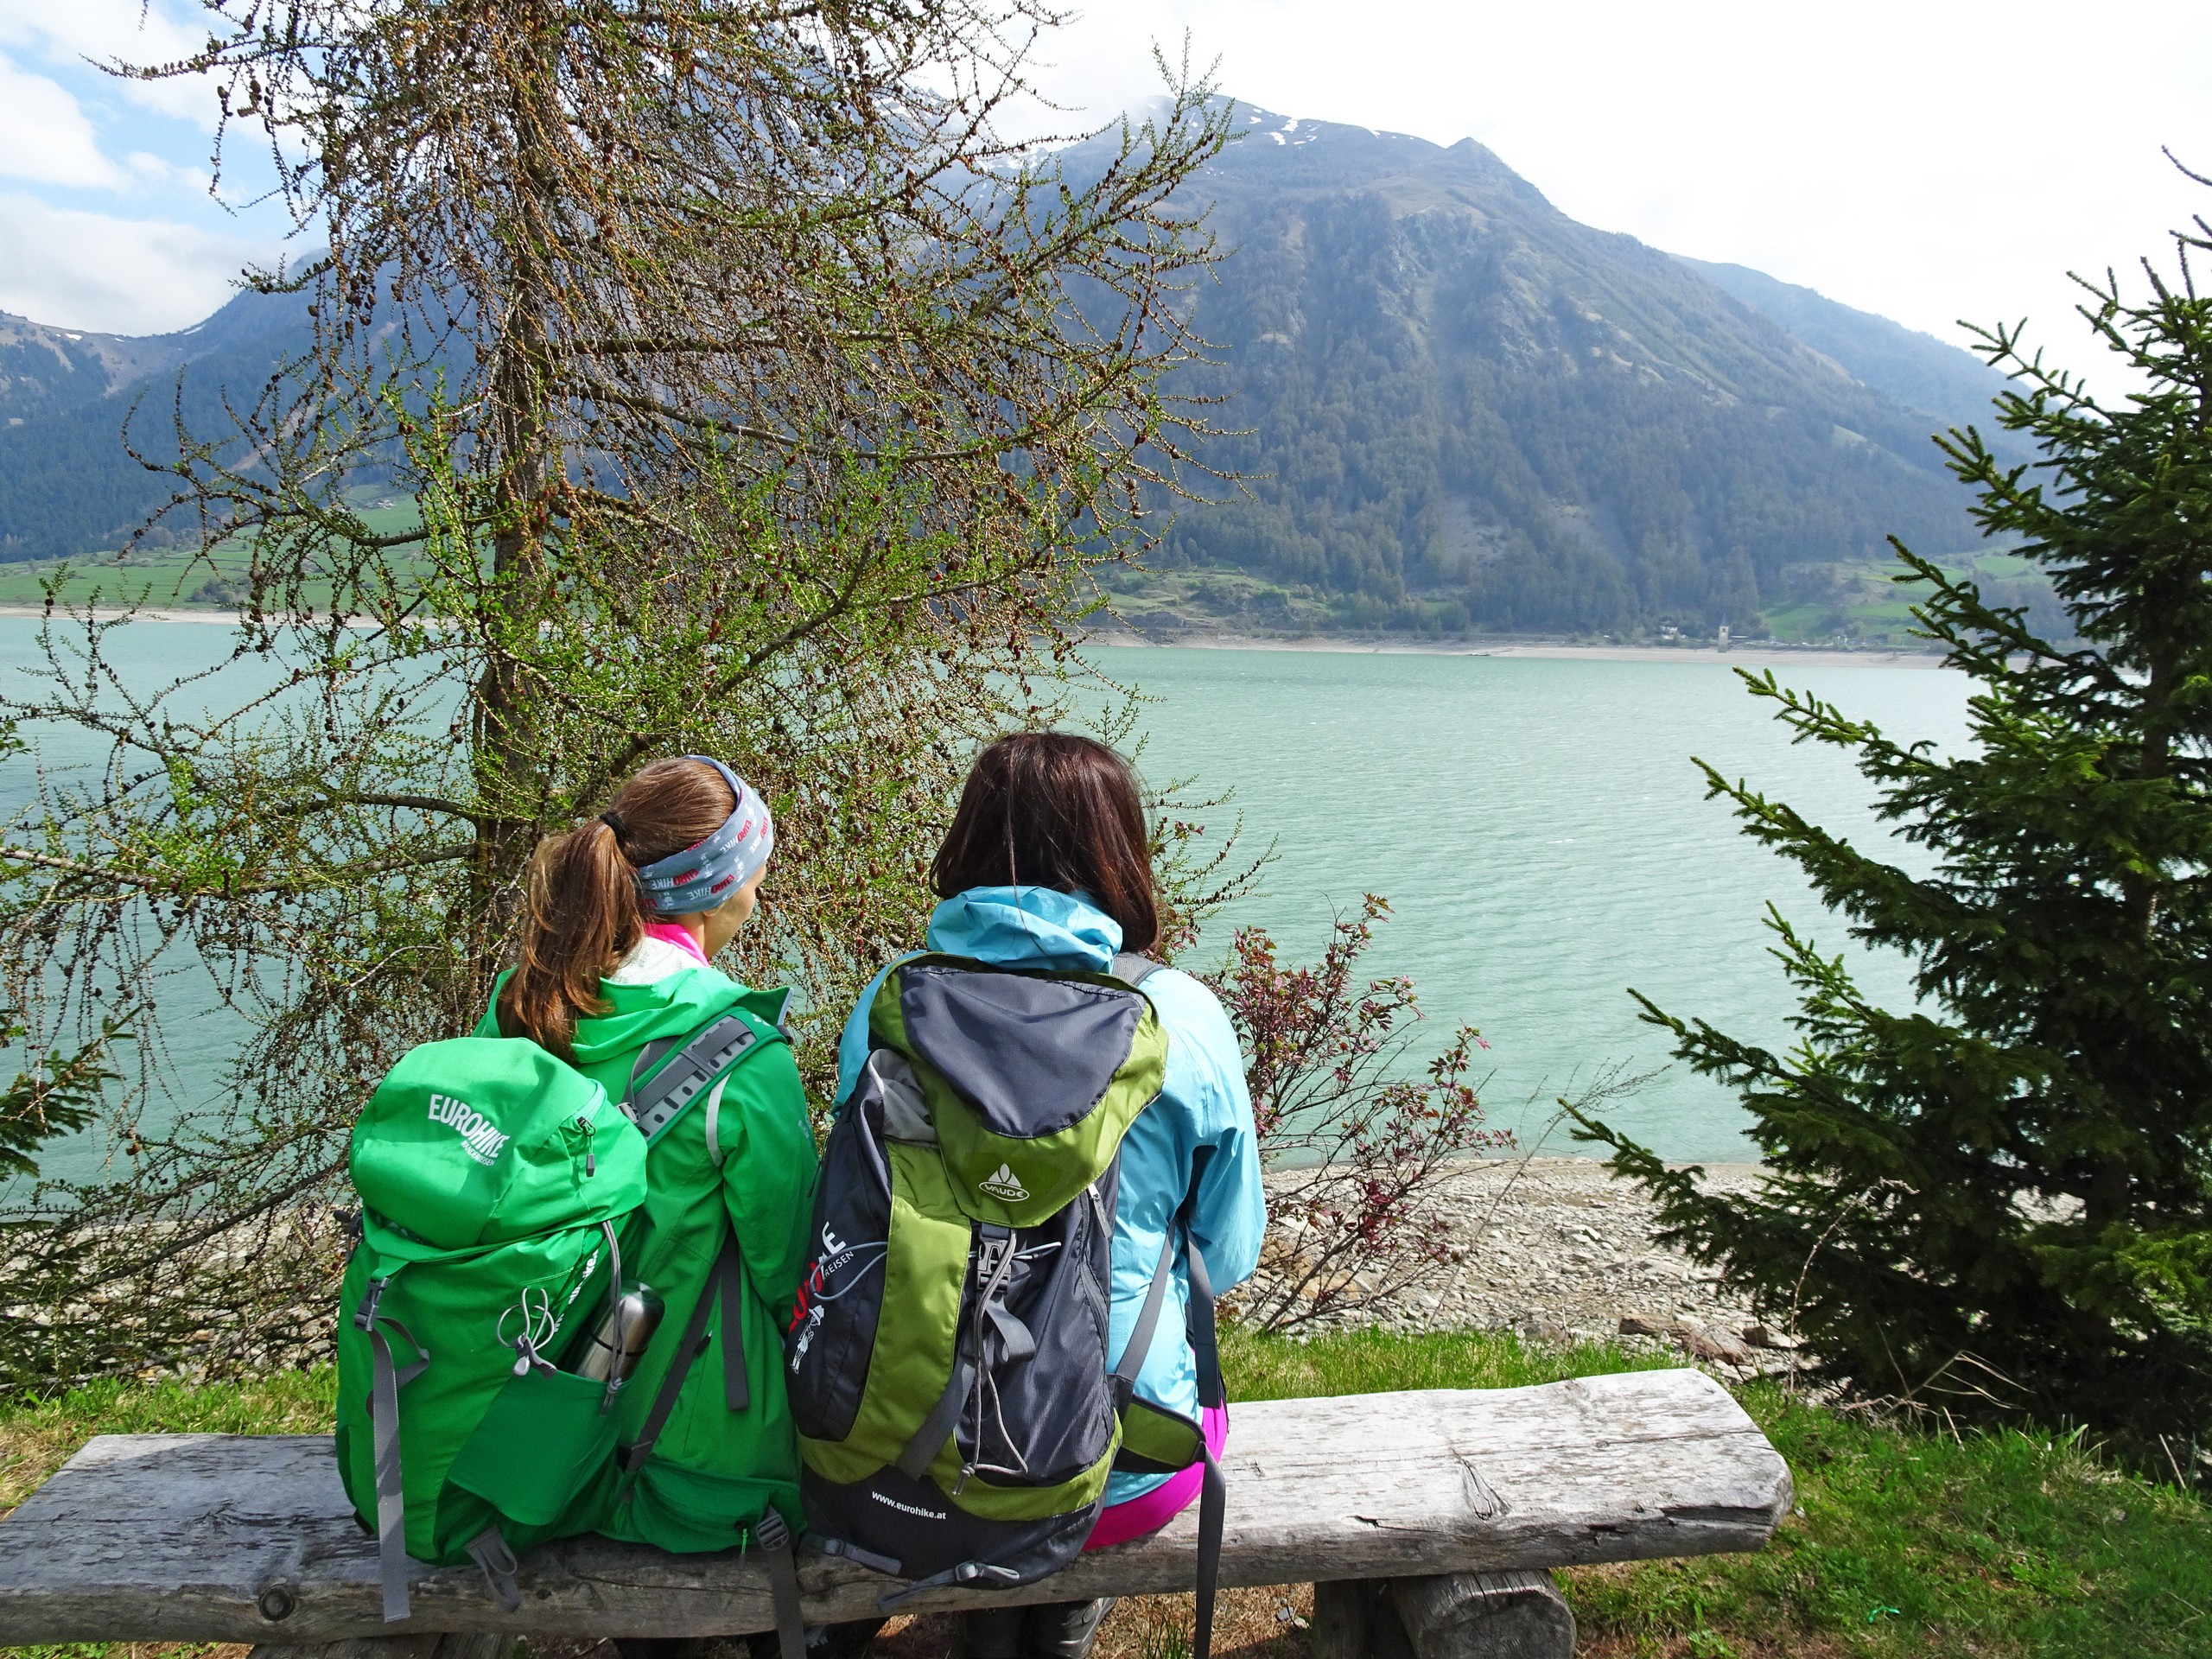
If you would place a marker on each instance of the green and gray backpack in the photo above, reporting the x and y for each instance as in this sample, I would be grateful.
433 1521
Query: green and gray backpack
959 1412
499 1188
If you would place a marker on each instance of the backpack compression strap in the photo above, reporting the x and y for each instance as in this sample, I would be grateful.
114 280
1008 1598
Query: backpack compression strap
726 1286
489 1550
385 1384
1200 1328
769 1532
707 1053
775 1539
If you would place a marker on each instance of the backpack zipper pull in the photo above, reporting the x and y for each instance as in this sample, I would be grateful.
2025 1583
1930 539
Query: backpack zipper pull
591 1164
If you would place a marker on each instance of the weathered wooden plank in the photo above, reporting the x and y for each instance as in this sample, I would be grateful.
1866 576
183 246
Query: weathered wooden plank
250 1539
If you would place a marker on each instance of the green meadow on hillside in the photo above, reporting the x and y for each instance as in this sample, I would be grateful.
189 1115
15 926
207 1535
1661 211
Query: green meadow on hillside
163 578
1854 603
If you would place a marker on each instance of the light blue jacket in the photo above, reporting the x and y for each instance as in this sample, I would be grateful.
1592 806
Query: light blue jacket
1202 1102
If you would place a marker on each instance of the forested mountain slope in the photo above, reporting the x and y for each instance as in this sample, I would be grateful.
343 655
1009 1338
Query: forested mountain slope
1461 406
1449 404
67 483
1917 370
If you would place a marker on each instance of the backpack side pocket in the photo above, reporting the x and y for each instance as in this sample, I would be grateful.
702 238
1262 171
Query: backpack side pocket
1157 1442
832 1334
546 1436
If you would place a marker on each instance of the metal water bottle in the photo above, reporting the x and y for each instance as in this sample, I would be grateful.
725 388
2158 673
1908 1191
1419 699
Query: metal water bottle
635 1315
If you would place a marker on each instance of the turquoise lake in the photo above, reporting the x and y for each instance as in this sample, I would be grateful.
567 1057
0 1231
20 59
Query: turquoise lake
1543 837
1537 825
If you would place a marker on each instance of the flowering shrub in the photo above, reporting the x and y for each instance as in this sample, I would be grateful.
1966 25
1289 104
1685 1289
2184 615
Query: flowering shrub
1358 1141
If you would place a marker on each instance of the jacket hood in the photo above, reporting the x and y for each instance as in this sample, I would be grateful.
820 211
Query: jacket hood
637 1014
1026 927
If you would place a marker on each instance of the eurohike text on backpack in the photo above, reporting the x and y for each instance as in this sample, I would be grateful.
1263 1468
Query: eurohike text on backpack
969 1187
486 1327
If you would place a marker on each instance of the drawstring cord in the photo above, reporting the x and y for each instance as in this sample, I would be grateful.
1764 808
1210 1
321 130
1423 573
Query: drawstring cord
538 1327
1001 1255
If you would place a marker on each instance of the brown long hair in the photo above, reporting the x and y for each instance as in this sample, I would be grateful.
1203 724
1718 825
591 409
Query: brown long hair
583 914
1053 809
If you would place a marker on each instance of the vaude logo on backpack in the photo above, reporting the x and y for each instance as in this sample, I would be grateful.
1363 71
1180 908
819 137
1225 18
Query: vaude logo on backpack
1003 1185
966 1439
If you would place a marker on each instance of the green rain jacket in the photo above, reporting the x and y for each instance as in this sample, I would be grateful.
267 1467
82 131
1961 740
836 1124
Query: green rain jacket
712 1471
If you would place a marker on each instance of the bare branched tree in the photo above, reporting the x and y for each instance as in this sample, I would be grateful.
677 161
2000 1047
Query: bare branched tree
685 376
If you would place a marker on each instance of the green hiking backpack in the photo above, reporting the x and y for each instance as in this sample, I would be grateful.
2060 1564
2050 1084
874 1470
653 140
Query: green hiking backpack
500 1187
957 1410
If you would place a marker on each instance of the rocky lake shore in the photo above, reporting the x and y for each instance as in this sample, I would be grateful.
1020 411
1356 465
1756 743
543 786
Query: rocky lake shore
1559 1250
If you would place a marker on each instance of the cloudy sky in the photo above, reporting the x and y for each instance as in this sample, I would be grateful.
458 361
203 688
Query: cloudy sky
1926 161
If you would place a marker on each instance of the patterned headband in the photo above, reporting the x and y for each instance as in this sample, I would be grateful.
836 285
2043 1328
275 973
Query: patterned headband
700 878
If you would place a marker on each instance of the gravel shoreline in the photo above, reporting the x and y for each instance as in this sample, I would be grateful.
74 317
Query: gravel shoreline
1561 1251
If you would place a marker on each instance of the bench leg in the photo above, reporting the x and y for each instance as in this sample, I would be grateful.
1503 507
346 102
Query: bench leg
427 1646
1486 1615
1457 1616
1353 1619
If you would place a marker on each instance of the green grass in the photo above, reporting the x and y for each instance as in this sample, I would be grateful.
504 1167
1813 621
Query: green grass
164 578
1374 1361
1865 606
38 1436
2001 1542
158 578
1909 1541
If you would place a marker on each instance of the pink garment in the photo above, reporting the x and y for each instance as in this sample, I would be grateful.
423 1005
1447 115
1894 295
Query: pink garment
1155 1509
669 933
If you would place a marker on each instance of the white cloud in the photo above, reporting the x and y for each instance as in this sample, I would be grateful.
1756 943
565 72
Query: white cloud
126 31
148 166
1926 159
44 137
115 276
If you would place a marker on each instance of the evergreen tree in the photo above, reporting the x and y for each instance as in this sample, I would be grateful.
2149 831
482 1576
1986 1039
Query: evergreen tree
2004 1194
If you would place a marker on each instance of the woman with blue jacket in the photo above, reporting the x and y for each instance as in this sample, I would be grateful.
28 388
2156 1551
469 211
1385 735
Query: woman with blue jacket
1047 866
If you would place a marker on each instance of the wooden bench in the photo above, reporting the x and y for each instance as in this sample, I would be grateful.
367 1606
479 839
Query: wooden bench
1425 1519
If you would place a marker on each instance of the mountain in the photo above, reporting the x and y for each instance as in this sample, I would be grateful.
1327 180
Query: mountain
67 483
1447 405
1460 406
1917 370
46 371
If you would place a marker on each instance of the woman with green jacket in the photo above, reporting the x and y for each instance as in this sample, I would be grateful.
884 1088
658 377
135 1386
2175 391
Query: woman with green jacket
627 912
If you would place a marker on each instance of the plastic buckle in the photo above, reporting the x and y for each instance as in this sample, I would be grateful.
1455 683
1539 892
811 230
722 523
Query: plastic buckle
365 1317
769 1531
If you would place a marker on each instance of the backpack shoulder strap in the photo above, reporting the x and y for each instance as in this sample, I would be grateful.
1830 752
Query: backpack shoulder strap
671 1074
1199 1330
1133 968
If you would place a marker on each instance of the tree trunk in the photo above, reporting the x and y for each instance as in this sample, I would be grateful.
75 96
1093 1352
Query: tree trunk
509 759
